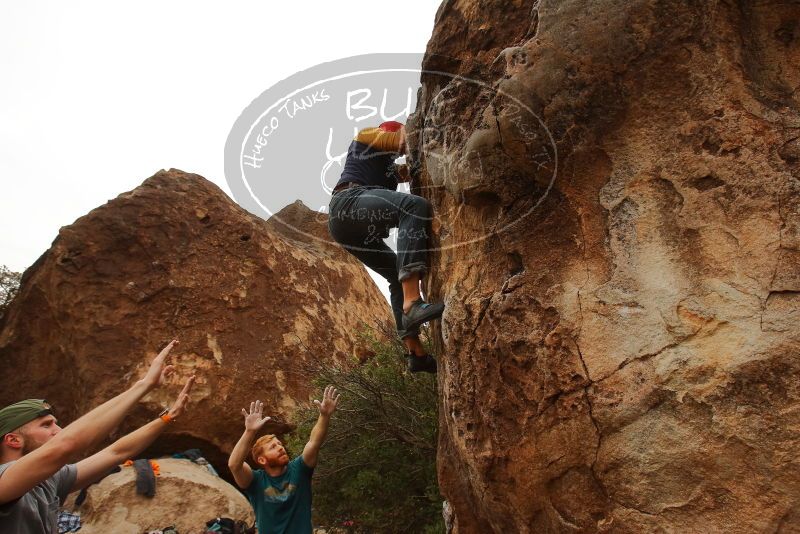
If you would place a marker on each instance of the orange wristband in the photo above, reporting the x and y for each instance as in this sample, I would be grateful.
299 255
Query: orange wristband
164 416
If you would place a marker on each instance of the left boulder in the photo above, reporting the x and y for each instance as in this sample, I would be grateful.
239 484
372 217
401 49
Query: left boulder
250 301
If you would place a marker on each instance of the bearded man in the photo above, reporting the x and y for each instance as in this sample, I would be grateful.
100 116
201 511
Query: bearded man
280 490
35 452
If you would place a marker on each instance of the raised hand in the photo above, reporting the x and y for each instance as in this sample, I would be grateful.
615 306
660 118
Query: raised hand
403 173
158 370
183 398
330 399
252 419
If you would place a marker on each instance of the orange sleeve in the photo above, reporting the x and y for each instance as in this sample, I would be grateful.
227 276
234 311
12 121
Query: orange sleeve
379 139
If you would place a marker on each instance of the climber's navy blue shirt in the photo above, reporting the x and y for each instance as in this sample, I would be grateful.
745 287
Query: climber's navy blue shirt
370 159
282 504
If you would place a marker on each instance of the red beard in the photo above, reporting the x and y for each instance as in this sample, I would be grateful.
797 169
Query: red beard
278 462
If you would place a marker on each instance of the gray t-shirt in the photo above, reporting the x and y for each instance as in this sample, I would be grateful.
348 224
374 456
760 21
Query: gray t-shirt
36 512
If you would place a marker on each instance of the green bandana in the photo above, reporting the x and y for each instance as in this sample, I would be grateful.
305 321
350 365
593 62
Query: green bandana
14 416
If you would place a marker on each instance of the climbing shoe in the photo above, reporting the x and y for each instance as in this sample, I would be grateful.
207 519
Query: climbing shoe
421 312
402 334
423 364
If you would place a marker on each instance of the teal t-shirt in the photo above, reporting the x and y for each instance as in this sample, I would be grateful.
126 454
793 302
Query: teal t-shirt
282 504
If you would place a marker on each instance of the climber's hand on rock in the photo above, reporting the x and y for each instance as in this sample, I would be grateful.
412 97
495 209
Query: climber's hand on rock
183 399
253 420
329 401
403 172
158 370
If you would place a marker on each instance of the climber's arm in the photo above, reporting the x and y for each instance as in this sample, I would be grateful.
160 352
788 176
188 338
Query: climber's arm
383 140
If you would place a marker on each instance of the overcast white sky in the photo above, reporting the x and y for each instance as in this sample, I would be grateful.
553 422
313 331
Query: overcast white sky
97 96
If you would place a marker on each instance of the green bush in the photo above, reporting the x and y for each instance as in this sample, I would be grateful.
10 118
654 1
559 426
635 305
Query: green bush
9 286
377 468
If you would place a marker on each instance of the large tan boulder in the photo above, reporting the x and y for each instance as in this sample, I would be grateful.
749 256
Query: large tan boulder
617 189
252 303
187 496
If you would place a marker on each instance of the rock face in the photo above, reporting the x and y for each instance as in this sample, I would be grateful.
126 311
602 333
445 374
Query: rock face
251 303
187 495
617 189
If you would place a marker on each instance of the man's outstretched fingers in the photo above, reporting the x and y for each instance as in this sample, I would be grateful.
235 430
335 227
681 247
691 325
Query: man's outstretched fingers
188 386
183 398
329 399
155 373
253 419
165 373
332 394
166 350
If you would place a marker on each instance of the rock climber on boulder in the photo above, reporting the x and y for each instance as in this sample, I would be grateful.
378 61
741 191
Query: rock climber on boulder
364 207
